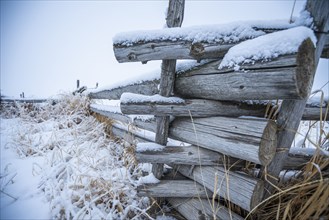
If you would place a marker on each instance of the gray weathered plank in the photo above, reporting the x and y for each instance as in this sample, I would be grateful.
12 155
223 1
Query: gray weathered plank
262 81
248 139
202 209
238 188
174 189
277 79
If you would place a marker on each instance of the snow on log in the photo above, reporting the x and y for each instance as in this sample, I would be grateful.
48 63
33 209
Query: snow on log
202 209
199 42
238 188
147 87
248 139
174 188
285 77
267 47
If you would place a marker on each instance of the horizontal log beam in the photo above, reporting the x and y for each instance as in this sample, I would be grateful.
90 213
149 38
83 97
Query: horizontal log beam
277 79
147 125
189 155
247 139
174 189
238 188
202 209
182 47
208 108
162 50
192 155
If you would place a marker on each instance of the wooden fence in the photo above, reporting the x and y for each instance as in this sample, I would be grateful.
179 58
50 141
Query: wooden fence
207 117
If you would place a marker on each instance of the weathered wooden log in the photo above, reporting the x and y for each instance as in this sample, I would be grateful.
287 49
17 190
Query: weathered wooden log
174 189
194 108
149 87
248 139
278 79
208 108
182 47
238 188
197 107
147 125
202 209
192 155
161 50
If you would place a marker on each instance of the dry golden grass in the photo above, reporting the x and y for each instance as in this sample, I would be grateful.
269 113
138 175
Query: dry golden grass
306 196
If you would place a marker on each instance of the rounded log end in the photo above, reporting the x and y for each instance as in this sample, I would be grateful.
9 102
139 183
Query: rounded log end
257 195
268 143
305 68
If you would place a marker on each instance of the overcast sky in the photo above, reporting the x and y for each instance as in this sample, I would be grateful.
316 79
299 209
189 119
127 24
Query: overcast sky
47 45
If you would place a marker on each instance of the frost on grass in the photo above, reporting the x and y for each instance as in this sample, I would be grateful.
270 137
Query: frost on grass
84 174
267 47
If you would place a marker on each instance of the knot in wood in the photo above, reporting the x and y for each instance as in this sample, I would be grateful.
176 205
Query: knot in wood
197 50
132 56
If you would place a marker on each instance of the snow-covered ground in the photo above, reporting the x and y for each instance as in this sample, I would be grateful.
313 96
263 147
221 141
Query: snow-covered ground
58 163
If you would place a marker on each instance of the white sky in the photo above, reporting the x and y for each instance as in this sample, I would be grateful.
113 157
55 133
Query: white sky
47 45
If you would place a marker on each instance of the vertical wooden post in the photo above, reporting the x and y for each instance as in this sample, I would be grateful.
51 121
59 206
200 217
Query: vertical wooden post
292 110
174 18
78 84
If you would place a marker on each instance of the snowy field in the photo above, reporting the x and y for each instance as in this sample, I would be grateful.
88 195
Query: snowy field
58 163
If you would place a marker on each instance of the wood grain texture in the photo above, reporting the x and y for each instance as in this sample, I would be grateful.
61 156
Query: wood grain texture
202 209
248 139
278 79
190 155
174 18
238 188
194 108
174 189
